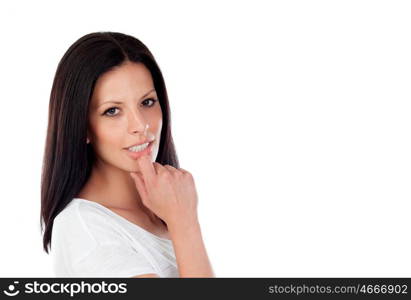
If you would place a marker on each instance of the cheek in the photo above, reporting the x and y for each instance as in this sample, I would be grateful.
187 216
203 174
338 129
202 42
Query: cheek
109 134
159 127
158 124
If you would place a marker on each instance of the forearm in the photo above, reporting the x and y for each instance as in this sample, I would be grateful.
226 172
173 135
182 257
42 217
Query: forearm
189 248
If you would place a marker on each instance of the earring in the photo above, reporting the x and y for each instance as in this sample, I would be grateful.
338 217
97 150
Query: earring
88 141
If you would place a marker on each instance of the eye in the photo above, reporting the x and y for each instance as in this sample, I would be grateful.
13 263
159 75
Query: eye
152 99
109 112
110 109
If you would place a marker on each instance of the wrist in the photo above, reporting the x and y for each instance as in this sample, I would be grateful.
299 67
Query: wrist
184 225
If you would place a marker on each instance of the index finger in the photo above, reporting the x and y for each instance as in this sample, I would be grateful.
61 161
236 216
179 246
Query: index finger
146 168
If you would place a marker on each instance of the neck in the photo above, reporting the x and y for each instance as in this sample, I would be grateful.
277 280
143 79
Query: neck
113 187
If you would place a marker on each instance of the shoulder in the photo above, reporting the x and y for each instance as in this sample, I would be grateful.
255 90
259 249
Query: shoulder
80 221
80 209
82 212
86 241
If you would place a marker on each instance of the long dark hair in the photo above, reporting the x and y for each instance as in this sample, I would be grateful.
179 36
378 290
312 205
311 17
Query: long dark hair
68 159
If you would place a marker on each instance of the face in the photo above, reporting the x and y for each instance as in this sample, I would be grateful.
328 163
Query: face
123 104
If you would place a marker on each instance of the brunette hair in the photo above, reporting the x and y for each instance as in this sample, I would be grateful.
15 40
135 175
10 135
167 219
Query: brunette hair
68 159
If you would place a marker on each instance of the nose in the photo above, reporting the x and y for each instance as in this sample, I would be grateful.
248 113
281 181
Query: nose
137 123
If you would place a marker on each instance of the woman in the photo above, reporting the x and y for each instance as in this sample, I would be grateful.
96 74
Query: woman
114 201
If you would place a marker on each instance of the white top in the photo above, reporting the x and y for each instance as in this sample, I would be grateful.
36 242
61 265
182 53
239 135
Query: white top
90 240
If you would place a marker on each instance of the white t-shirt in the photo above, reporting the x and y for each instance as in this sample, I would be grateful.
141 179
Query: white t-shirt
90 240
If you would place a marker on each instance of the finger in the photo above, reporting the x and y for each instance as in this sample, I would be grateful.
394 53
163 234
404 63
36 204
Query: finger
170 168
183 170
137 178
146 168
158 167
161 168
174 169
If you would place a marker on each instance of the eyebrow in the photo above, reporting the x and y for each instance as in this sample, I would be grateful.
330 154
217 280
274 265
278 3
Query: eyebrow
119 102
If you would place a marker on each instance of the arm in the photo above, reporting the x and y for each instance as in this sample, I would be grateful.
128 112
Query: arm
149 275
192 259
170 194
191 255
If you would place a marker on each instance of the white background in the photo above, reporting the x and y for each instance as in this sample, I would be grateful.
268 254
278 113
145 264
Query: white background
293 117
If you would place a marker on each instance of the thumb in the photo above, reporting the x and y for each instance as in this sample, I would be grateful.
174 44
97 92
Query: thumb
140 185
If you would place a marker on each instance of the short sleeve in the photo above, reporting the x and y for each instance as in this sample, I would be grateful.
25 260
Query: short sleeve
85 243
112 260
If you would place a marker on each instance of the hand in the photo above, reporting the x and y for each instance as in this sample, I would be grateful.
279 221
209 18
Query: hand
168 192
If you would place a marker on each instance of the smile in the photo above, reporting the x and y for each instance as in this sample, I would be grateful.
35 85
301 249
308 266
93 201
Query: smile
138 148
138 151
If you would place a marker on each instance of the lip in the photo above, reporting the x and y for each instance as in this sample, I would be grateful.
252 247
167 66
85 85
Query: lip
136 155
147 141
